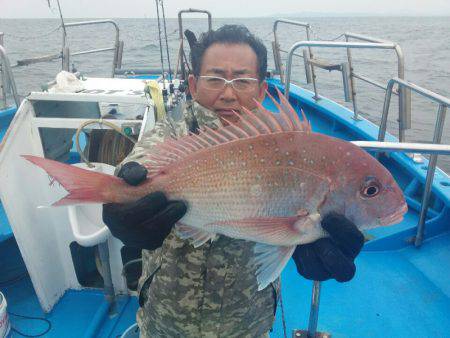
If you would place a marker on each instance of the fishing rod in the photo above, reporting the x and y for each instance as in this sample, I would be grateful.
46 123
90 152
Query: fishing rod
64 37
161 48
167 46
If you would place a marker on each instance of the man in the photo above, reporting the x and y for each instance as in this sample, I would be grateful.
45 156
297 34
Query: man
211 291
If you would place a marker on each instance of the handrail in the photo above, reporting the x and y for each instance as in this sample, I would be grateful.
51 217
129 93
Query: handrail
192 10
443 102
276 46
116 48
404 147
403 123
404 96
65 52
180 34
9 75
403 116
330 44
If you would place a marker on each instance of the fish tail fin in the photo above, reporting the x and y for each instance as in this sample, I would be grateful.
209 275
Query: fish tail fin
83 186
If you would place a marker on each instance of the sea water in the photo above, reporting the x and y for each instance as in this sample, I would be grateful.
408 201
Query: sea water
425 42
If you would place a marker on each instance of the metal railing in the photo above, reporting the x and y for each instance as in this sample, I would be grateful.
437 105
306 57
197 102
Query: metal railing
65 53
117 48
437 136
276 46
404 147
182 58
404 113
347 69
7 77
405 94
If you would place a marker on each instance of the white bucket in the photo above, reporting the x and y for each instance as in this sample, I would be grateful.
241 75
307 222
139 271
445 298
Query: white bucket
4 321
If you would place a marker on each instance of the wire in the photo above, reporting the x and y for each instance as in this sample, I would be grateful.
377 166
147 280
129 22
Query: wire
186 62
62 19
154 41
28 37
283 319
267 35
134 261
33 318
318 38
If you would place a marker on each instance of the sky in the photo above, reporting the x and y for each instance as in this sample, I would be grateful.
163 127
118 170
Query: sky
220 9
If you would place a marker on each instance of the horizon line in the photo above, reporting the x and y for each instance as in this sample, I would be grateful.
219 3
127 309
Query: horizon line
306 15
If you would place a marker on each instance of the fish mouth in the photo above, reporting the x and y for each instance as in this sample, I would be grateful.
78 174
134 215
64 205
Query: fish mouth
394 218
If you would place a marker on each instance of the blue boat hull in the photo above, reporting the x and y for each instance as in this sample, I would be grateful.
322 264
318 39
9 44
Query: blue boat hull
6 117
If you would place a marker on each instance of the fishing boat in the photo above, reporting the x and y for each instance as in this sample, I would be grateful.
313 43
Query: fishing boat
62 274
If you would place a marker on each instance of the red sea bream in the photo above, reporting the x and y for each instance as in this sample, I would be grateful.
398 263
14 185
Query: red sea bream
267 179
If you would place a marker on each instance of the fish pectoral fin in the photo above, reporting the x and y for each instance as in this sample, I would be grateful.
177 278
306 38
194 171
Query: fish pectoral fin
270 261
272 230
196 236
309 228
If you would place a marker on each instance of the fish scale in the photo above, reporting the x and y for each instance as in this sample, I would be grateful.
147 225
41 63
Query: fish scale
267 178
243 171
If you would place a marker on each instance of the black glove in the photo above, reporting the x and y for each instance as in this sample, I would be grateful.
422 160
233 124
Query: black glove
331 257
143 224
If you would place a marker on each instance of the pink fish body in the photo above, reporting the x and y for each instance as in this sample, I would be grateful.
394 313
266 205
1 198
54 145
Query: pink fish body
265 180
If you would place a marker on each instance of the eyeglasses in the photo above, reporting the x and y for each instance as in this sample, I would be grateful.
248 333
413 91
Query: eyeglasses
241 84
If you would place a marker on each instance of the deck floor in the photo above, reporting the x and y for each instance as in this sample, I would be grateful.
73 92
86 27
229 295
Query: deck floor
403 293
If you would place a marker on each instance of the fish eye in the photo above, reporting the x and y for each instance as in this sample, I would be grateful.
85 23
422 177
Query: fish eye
371 191
370 188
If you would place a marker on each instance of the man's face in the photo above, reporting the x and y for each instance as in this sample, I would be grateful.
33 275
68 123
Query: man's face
228 61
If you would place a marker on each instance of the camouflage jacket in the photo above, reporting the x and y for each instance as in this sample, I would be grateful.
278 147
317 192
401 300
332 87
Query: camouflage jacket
210 291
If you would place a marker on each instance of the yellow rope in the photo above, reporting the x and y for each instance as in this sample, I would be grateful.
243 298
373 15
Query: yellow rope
157 97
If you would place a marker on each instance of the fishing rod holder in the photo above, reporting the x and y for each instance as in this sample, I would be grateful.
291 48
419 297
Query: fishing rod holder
313 317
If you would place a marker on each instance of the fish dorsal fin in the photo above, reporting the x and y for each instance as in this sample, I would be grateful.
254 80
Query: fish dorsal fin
250 124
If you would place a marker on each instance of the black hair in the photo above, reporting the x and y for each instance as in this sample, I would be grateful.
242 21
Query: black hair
232 34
